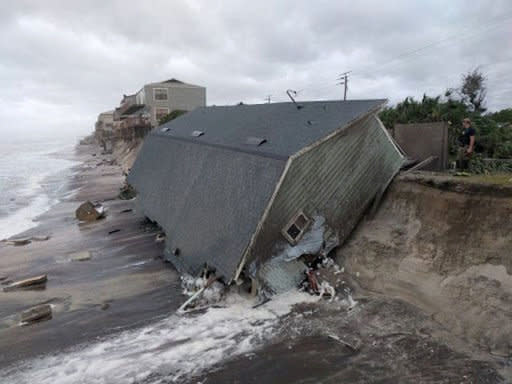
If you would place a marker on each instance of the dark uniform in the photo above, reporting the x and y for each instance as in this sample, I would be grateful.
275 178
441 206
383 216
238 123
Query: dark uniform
464 142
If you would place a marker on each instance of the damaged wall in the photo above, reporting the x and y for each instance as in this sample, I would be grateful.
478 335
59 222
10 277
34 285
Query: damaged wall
336 180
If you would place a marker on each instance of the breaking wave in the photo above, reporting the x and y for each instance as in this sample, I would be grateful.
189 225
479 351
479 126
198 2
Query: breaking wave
171 350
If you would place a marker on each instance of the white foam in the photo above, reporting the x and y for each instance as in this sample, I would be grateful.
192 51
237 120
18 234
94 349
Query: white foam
33 167
170 350
24 218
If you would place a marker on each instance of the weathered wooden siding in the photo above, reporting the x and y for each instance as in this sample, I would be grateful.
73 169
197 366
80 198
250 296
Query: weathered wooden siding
336 179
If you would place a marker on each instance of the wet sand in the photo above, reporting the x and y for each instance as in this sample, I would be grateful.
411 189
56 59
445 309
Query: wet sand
125 284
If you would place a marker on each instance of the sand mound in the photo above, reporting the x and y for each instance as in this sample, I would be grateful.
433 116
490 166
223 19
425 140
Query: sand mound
448 253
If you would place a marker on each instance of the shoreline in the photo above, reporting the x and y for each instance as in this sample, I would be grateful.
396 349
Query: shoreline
43 190
116 313
124 285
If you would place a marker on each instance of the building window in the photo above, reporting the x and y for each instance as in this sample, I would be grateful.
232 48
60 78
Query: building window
296 228
160 94
161 112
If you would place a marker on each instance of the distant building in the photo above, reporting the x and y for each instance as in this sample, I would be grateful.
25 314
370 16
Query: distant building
140 112
166 96
104 129
233 186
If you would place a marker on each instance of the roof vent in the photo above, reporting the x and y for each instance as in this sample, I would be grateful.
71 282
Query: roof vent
197 133
165 129
256 141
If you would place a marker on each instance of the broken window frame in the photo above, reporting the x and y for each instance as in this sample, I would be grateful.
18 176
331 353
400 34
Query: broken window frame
300 227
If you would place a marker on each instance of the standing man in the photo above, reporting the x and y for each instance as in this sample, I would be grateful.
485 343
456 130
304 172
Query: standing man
467 144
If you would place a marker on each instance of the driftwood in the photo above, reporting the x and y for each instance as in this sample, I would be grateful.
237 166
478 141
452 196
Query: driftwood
80 256
39 313
26 283
25 240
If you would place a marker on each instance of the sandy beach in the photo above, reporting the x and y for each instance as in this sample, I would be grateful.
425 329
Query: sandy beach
125 284
114 317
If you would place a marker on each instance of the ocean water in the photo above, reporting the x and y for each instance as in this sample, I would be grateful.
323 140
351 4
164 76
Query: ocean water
33 176
170 351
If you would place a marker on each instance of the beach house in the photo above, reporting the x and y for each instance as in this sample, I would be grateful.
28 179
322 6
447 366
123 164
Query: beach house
234 186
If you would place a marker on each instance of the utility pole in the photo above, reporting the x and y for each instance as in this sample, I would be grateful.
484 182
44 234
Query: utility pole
343 78
268 98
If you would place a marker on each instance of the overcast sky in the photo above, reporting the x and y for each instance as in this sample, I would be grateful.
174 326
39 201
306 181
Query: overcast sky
63 62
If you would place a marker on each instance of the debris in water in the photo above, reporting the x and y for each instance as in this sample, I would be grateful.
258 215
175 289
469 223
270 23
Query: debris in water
89 212
33 282
160 237
36 314
127 192
80 256
114 231
202 291
286 269
25 240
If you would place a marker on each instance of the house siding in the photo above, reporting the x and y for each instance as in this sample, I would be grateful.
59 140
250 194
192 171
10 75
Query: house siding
181 97
337 179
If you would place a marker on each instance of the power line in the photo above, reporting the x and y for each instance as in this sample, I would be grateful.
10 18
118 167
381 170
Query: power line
405 55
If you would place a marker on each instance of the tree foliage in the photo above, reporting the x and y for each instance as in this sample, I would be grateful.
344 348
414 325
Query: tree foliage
494 130
171 116
473 90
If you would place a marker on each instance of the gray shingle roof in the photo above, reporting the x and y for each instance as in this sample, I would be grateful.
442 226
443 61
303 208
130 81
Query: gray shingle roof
208 200
210 197
285 128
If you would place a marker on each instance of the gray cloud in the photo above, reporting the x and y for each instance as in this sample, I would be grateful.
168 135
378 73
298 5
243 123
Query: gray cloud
64 62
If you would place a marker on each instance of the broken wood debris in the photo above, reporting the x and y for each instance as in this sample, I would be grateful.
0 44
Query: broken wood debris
35 314
25 240
32 282
196 295
80 256
345 343
113 231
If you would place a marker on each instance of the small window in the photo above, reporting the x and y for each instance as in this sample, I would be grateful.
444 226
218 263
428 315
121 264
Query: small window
296 228
160 94
161 112
197 133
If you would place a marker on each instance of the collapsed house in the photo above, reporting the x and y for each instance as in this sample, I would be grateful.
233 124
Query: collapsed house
248 189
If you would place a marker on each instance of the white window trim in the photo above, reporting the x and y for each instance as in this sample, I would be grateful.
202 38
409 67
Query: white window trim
164 89
302 230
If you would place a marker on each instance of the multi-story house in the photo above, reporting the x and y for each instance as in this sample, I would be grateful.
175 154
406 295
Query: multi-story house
166 96
103 129
140 112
